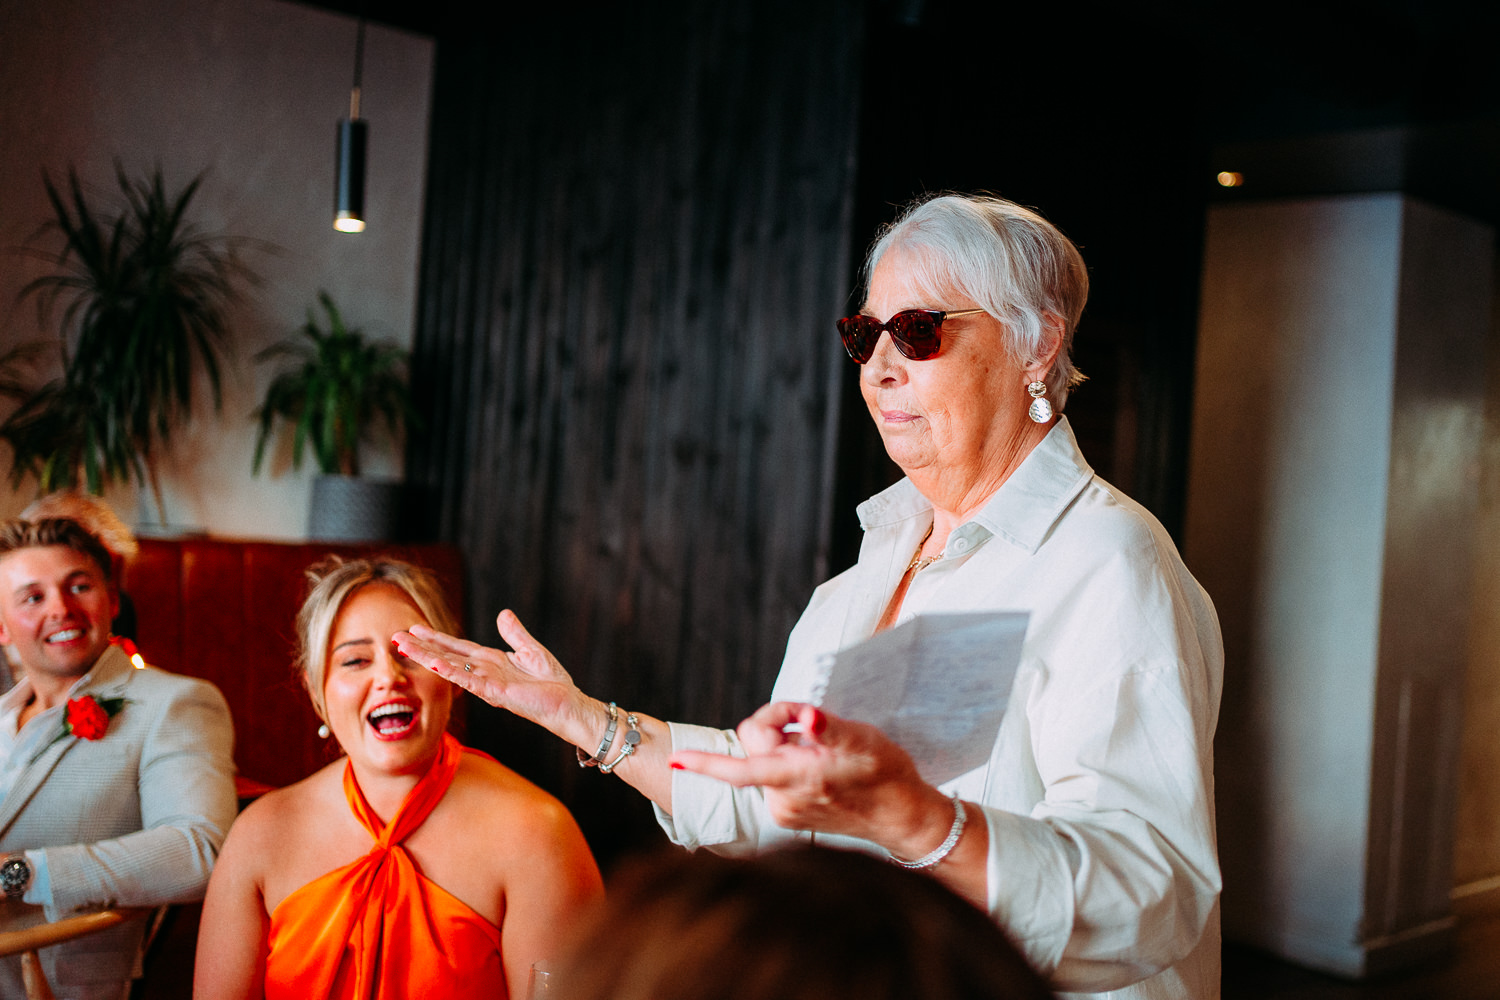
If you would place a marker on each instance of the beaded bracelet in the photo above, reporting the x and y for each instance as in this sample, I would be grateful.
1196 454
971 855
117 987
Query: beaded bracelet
941 851
631 739
584 760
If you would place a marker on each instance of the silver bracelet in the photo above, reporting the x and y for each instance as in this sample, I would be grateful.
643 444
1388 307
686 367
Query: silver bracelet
584 760
941 851
631 738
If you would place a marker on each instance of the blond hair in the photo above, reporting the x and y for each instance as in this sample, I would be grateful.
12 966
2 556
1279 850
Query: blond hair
96 516
333 581
48 531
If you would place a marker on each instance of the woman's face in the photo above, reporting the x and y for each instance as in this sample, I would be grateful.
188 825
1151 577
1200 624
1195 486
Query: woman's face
387 712
955 415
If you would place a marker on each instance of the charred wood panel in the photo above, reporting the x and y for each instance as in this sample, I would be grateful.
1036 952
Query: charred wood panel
637 239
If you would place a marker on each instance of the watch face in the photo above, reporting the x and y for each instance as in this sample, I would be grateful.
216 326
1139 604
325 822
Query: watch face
14 875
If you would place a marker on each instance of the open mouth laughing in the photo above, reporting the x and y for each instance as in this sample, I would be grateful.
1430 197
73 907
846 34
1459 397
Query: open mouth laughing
393 719
65 635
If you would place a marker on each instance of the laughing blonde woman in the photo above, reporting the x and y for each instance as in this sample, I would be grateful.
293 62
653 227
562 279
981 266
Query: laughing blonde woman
368 878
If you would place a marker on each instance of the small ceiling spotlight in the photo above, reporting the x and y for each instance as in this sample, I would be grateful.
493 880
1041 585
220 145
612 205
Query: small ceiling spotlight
1230 179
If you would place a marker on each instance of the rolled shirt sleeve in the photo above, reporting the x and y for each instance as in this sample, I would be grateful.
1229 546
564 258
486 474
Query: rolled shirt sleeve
703 816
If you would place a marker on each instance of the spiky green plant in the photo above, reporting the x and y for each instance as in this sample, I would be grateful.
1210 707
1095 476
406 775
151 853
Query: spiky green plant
146 302
339 389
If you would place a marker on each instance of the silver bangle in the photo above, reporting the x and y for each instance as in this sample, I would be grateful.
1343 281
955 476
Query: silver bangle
960 817
631 738
584 760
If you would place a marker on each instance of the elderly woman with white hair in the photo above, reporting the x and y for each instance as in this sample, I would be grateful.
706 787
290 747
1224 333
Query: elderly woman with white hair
1088 834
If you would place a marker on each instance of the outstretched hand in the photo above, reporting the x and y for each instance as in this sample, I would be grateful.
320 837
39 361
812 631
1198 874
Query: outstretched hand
529 682
834 776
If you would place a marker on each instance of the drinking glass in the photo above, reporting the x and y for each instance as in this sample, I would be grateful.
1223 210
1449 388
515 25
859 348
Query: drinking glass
542 980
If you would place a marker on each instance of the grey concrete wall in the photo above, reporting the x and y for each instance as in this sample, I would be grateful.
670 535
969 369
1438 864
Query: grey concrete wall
247 92
1331 514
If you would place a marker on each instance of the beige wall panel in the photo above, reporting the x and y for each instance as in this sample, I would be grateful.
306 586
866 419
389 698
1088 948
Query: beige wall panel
248 92
1331 514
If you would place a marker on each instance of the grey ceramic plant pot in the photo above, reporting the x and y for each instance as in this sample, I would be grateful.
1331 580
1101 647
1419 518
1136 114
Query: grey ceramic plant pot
353 509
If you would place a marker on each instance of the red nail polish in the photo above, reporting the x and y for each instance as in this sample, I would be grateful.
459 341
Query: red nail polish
677 767
819 722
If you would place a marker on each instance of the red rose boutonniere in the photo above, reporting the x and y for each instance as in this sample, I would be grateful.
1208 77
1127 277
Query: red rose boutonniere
88 717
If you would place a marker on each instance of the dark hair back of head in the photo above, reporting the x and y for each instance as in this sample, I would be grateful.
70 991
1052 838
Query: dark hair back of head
22 534
796 924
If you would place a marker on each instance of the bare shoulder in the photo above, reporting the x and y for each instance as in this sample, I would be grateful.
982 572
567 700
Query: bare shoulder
284 813
485 777
485 786
290 836
501 844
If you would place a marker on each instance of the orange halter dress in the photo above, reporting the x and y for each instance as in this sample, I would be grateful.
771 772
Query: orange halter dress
378 929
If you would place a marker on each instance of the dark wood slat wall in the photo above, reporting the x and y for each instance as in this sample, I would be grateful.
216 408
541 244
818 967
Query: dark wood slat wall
625 348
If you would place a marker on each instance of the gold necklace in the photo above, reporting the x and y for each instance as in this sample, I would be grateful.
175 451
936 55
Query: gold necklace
918 564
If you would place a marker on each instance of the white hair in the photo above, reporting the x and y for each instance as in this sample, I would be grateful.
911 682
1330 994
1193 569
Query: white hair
1012 262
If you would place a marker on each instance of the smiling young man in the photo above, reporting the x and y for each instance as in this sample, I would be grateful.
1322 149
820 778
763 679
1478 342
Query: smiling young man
116 782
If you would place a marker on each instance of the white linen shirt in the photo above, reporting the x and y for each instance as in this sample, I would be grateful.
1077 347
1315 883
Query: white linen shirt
1098 795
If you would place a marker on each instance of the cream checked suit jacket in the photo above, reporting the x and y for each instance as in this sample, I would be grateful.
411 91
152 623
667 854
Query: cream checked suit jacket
134 818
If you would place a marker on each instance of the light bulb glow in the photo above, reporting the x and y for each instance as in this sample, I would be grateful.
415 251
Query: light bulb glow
1230 178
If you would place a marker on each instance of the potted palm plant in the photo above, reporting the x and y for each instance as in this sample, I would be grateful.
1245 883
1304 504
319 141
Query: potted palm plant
147 301
338 391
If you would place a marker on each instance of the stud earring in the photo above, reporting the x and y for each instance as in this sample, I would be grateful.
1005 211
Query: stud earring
1041 410
324 732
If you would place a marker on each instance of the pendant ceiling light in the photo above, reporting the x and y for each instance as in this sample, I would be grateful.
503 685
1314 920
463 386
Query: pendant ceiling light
349 178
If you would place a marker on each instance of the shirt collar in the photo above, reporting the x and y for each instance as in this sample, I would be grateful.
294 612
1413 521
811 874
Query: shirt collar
1023 510
105 668
17 696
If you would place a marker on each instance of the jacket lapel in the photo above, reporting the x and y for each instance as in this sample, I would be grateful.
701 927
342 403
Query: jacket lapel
110 676
108 679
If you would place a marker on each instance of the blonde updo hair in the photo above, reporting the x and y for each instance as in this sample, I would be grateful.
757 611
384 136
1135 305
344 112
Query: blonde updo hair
333 581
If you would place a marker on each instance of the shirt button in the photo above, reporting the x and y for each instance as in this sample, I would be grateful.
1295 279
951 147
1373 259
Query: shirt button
961 545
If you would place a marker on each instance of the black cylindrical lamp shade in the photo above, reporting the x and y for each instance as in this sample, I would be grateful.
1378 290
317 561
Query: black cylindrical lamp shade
349 179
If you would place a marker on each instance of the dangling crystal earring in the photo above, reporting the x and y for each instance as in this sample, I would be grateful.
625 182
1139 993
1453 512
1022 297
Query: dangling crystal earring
1041 410
324 731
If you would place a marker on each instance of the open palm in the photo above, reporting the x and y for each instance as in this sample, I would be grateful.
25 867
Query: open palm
528 682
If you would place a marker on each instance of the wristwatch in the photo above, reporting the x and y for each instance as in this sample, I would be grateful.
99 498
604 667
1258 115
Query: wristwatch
15 876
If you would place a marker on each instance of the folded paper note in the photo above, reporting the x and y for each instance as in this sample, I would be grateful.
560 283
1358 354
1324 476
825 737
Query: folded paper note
937 685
